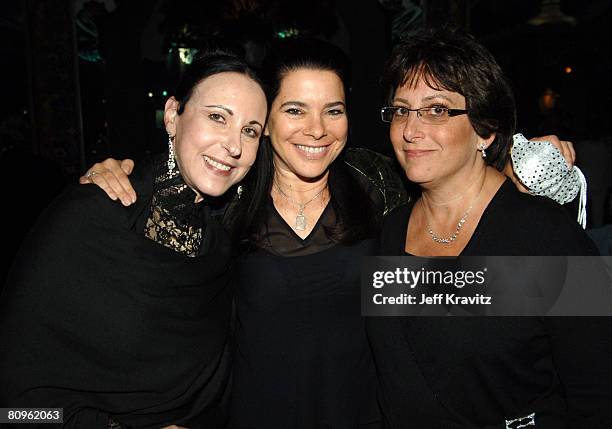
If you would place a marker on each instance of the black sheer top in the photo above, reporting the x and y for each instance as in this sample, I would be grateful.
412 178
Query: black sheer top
302 356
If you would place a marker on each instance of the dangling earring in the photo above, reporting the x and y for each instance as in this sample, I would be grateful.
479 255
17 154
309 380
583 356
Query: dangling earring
172 171
482 147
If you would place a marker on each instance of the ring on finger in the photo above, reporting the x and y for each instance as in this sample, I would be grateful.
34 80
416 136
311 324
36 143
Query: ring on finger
90 174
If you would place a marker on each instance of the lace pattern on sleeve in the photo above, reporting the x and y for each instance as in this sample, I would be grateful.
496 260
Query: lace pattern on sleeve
175 220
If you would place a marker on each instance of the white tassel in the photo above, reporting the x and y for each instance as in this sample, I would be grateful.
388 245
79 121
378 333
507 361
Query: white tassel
582 212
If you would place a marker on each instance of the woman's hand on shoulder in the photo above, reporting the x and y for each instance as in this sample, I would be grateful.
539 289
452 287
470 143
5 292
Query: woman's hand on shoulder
565 147
112 176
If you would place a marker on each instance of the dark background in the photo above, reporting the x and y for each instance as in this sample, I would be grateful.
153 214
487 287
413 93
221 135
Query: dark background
84 79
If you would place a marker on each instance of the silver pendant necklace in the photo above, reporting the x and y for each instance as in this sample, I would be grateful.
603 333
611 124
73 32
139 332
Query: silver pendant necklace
453 237
300 219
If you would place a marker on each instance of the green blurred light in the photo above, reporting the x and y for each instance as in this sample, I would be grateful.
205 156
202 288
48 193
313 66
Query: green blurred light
287 33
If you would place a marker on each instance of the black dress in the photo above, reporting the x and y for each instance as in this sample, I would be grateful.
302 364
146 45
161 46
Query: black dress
121 315
302 356
473 372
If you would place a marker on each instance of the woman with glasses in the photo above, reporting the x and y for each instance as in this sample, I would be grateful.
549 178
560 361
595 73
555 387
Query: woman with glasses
302 357
452 116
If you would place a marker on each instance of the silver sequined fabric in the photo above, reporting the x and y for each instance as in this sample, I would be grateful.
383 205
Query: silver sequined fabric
543 170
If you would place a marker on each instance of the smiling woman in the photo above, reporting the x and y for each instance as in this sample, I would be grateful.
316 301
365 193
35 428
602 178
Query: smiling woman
301 349
304 220
308 123
440 372
216 134
307 128
121 316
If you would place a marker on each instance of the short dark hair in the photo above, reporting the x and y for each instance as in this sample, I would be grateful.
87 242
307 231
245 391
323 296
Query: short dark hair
211 61
455 61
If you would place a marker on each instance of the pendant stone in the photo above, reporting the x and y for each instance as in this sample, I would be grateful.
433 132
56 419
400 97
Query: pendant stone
300 222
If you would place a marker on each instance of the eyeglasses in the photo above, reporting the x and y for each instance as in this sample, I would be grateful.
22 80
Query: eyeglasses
428 115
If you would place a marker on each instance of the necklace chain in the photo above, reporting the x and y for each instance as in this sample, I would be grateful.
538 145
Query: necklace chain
450 239
453 237
300 218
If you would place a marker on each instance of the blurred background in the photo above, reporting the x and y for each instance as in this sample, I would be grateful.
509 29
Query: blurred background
87 79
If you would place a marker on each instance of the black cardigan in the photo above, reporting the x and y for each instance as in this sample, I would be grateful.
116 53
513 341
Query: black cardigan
103 322
476 372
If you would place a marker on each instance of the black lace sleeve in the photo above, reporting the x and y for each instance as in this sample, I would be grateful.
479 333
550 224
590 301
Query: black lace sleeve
174 220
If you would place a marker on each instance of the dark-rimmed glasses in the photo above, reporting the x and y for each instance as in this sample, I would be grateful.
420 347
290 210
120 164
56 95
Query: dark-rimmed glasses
428 115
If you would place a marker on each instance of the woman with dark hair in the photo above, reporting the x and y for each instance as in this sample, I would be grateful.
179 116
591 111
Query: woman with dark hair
120 316
302 357
452 116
